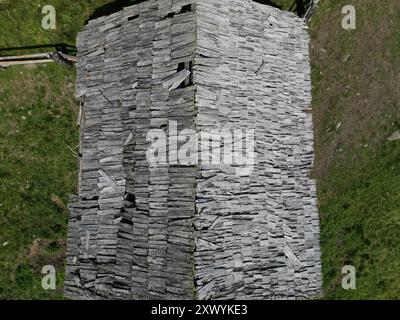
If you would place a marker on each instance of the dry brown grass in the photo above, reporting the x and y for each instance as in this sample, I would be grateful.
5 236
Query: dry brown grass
361 92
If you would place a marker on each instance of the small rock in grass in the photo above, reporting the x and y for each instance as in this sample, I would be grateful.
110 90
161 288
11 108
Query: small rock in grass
395 136
347 57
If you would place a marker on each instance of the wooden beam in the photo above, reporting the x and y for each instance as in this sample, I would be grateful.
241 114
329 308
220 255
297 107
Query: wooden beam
27 57
5 64
58 57
69 57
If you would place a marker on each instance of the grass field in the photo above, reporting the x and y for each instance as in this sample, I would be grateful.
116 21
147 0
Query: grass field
37 130
355 105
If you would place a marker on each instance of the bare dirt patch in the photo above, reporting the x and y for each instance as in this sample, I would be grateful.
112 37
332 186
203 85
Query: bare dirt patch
46 252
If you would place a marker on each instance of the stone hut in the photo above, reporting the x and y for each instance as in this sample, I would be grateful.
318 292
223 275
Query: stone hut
184 228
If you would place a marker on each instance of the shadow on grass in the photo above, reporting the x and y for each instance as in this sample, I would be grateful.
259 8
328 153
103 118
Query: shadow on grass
269 2
118 5
62 47
111 8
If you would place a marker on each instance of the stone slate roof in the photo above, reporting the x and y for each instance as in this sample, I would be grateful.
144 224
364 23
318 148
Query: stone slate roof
138 231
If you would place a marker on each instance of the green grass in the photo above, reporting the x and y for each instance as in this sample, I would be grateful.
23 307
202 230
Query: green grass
357 168
361 224
37 171
38 121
